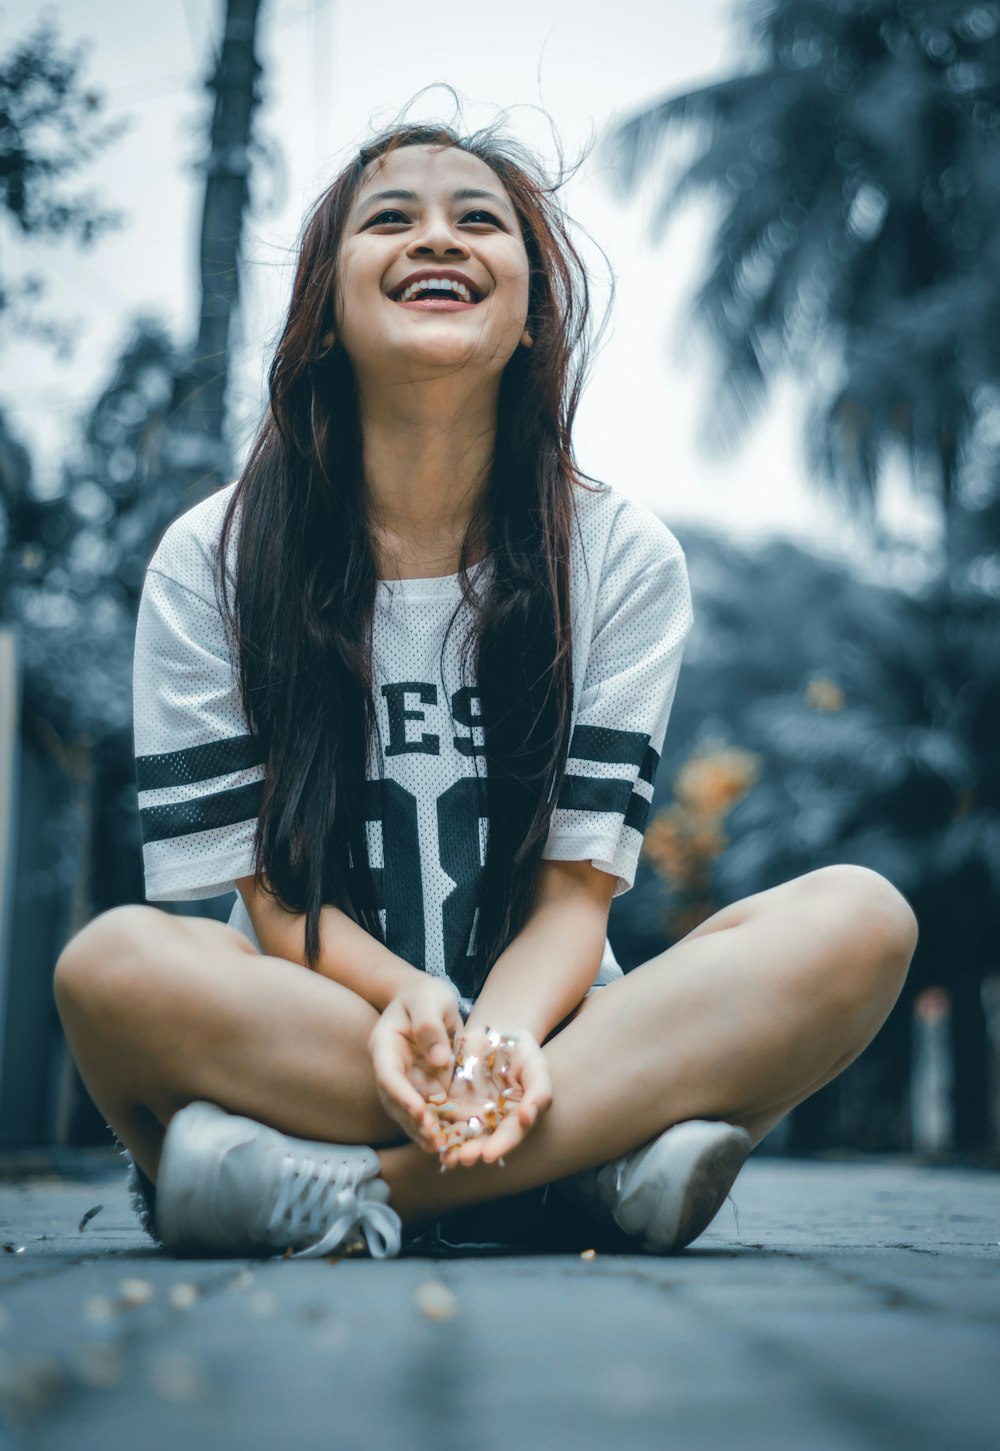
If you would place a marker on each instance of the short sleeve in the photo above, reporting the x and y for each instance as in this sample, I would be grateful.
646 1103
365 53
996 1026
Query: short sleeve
640 629
199 771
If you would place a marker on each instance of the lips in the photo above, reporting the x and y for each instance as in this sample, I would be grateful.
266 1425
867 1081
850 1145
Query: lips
438 304
434 288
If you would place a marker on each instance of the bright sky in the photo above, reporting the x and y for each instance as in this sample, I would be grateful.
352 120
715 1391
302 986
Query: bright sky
332 72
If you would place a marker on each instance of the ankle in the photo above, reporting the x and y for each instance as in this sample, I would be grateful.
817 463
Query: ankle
404 1168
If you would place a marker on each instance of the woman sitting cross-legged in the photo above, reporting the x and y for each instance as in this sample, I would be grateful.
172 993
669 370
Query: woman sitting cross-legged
405 684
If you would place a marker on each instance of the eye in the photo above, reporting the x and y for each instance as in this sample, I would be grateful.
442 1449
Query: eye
488 215
390 212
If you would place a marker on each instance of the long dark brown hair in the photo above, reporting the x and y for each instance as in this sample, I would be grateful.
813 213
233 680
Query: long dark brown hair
306 574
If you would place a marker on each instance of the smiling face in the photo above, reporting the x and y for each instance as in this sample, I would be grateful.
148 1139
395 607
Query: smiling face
434 276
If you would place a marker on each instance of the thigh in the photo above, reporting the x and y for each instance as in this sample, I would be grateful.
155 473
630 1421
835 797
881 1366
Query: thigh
159 1009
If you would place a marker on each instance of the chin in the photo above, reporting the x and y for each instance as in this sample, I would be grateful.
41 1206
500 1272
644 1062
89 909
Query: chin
453 353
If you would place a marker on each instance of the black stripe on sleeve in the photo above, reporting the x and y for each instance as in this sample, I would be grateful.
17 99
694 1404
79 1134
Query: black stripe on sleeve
594 793
589 793
222 808
638 811
650 761
605 744
198 763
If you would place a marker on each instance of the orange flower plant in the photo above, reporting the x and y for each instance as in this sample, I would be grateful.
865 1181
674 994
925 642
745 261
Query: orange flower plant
685 838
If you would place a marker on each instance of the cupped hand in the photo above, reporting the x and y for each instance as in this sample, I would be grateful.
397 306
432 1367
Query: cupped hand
500 1086
411 1051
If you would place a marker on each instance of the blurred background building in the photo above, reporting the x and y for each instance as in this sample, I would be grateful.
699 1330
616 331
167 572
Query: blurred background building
798 205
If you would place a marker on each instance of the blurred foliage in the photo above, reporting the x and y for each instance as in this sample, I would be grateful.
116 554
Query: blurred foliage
822 718
50 126
72 562
71 567
684 840
856 170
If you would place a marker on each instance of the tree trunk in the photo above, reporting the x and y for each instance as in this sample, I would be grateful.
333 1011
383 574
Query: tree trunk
195 453
190 458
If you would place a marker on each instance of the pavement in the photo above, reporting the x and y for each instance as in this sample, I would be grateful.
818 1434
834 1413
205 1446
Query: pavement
834 1305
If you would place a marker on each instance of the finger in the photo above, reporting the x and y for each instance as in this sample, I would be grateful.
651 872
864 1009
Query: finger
471 1152
390 1075
432 1040
536 1082
452 1019
411 1115
423 1082
504 1139
461 1156
414 1117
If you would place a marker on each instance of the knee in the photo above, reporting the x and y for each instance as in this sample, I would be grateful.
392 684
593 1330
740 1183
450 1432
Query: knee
883 925
109 953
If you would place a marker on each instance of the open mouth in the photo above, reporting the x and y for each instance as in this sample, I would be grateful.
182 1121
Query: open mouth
437 294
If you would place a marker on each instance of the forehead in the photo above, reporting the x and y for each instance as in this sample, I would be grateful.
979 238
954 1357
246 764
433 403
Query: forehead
430 171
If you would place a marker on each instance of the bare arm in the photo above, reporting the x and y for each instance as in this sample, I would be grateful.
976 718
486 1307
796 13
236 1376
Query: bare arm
545 972
348 954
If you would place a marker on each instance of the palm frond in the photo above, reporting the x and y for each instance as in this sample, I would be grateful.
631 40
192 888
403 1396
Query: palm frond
632 147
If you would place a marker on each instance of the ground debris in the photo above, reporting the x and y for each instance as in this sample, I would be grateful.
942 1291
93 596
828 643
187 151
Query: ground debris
436 1301
88 1217
182 1296
133 1293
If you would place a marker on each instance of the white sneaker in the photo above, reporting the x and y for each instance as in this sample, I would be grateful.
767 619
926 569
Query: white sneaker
669 1190
231 1186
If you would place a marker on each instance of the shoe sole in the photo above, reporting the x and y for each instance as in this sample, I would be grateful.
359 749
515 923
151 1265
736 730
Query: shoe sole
697 1164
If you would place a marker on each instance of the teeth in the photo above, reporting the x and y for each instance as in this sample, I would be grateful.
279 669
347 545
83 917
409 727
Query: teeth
436 284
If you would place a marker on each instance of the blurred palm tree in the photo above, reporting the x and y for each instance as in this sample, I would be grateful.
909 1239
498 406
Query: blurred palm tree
857 170
826 718
51 125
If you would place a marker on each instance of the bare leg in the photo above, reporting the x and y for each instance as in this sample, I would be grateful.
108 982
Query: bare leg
744 1018
160 1010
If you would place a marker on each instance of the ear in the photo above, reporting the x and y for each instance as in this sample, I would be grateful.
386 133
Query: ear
526 339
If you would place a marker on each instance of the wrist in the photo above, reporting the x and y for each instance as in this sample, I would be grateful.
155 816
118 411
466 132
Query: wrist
482 1017
392 980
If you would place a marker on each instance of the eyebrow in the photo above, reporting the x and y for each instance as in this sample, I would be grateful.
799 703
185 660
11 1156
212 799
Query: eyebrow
464 194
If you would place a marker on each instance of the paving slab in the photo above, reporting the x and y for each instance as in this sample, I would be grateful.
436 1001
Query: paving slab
832 1306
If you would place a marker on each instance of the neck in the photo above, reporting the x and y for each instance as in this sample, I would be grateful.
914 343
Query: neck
426 455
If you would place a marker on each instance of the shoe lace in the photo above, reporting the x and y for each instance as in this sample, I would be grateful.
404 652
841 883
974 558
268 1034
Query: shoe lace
325 1203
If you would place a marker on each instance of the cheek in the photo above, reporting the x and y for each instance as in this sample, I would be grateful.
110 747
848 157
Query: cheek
351 285
516 283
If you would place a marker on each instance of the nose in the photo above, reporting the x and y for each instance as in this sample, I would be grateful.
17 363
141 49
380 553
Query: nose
437 235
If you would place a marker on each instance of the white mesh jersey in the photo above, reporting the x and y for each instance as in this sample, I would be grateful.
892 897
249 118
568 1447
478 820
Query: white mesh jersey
198 768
